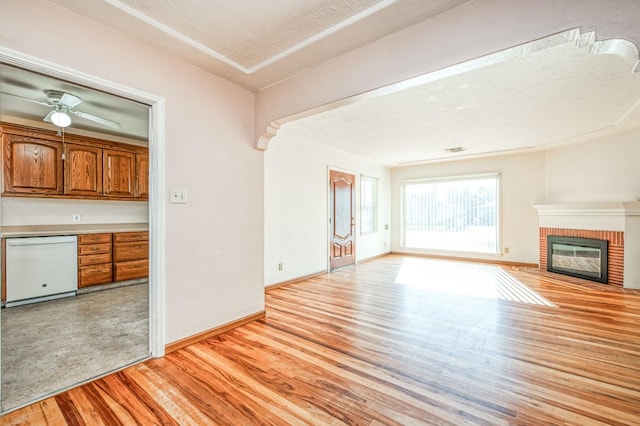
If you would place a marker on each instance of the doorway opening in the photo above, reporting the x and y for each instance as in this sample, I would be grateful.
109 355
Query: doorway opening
153 291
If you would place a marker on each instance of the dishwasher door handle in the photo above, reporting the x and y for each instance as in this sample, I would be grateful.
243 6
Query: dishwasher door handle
40 241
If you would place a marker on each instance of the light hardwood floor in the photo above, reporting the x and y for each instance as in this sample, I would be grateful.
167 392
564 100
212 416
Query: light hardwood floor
397 340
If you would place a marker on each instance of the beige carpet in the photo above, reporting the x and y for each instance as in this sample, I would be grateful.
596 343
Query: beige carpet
49 346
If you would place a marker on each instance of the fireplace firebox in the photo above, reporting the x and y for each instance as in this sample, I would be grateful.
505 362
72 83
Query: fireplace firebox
578 257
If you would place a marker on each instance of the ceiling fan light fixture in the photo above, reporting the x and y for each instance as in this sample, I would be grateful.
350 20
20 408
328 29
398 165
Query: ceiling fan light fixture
61 119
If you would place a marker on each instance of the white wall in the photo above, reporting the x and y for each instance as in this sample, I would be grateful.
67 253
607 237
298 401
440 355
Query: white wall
296 204
605 169
600 170
47 211
522 187
214 245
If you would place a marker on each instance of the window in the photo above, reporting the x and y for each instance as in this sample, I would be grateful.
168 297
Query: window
368 204
454 214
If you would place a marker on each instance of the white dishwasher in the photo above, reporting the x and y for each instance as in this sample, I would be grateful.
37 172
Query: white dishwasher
41 268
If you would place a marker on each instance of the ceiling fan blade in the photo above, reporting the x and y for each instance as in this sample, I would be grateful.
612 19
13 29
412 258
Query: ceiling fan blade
70 100
47 118
56 97
96 119
47 104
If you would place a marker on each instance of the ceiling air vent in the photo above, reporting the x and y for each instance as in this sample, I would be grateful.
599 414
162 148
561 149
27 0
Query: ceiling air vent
454 149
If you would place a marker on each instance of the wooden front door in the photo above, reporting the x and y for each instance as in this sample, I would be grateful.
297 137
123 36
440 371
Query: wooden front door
342 219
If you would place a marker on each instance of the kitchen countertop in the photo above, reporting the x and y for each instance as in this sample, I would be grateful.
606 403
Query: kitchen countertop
70 229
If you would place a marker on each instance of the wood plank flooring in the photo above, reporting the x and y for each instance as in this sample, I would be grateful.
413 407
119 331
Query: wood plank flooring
394 341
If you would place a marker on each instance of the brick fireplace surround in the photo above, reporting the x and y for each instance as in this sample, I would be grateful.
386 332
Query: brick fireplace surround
616 248
616 222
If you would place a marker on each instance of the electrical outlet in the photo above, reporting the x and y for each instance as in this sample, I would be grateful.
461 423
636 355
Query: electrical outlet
179 195
280 267
506 250
75 218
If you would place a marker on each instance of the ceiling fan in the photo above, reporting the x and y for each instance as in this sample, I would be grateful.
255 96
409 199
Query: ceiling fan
63 104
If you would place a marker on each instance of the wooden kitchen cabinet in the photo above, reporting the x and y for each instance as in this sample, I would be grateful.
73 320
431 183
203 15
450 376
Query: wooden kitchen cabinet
123 271
95 238
119 173
130 255
142 176
32 165
94 259
130 250
94 275
121 237
82 170
98 248
105 258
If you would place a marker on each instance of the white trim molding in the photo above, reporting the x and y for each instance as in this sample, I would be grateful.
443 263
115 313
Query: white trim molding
271 131
604 216
628 208
268 61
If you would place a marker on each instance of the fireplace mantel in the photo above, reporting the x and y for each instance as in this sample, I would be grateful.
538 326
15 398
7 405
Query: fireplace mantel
621 217
625 208
606 216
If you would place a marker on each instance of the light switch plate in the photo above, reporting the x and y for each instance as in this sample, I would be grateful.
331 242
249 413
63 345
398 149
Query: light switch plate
179 195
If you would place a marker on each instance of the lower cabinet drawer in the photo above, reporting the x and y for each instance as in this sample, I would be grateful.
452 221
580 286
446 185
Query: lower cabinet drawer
130 270
94 238
136 250
130 236
94 274
94 259
85 249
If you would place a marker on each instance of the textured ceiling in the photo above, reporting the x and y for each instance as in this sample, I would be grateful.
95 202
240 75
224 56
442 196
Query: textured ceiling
551 91
258 43
506 102
250 32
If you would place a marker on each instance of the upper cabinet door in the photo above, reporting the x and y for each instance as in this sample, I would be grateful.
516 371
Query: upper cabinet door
142 176
32 165
119 173
82 170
